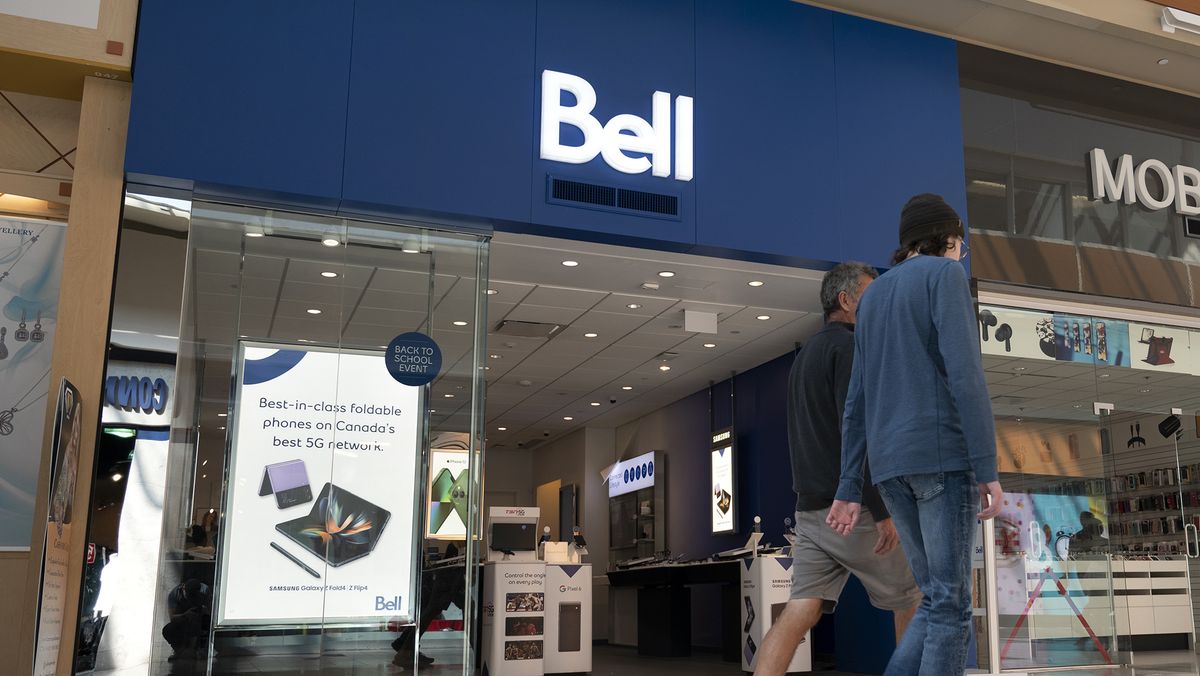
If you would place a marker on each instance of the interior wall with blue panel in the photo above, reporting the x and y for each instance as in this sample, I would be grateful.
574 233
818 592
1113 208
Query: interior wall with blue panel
811 127
759 416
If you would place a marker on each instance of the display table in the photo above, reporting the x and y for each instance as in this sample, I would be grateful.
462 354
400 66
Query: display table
766 586
664 605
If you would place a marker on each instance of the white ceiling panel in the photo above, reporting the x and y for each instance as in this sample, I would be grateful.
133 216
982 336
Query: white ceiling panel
546 314
553 296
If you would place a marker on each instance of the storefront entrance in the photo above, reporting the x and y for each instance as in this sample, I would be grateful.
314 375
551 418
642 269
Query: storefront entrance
1095 551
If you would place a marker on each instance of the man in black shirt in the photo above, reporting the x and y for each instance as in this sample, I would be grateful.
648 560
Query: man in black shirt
821 560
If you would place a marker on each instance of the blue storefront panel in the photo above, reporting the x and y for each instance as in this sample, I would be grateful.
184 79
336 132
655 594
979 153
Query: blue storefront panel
811 128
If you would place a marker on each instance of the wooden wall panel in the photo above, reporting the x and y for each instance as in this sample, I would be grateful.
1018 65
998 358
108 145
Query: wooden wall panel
80 344
1024 261
1127 274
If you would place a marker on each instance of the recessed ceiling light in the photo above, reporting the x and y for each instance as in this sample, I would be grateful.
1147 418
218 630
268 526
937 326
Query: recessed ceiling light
571 264
763 318
222 415
117 476
313 311
493 356
666 273
329 274
1144 390
502 429
1163 62
448 396
492 292
460 323
755 283
329 241
524 383
221 428
202 477
634 306
710 345
204 463
410 249
590 335
1020 368
254 234
568 418
1105 375
595 403
627 387
664 368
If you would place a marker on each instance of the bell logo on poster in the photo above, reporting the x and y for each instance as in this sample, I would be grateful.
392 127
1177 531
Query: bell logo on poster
393 604
628 143
1123 181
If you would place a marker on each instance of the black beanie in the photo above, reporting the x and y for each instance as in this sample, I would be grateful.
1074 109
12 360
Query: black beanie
926 216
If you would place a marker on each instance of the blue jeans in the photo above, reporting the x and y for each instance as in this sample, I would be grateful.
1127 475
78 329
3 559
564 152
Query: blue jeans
935 516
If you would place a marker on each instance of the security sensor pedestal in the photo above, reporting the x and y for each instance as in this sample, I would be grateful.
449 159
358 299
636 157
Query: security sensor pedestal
514 595
766 586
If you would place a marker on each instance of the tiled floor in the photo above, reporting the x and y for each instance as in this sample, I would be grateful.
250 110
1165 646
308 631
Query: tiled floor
608 661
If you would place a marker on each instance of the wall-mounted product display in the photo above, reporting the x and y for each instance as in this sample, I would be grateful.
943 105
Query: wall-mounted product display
30 268
446 516
723 478
320 499
636 508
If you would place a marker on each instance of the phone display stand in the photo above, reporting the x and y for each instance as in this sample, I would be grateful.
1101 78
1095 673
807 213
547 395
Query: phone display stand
766 585
568 618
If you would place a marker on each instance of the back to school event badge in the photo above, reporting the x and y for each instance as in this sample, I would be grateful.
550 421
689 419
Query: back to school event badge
413 359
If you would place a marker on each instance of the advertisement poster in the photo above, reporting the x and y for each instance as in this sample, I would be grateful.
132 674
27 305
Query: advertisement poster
723 489
1104 342
1162 348
52 605
446 518
1036 527
1017 333
30 268
321 495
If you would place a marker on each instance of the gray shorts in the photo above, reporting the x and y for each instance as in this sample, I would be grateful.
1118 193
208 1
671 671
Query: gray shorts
822 561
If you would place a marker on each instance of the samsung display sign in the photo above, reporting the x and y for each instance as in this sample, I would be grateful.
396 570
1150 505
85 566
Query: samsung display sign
1123 181
628 143
631 475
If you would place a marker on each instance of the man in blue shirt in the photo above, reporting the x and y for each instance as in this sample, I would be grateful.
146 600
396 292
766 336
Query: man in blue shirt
918 405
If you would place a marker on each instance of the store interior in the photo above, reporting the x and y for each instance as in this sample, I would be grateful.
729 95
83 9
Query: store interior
597 353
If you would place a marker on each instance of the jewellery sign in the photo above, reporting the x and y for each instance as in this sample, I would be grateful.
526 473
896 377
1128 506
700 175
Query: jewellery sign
321 494
30 269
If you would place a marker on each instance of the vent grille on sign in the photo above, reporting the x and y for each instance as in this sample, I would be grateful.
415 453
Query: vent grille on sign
608 198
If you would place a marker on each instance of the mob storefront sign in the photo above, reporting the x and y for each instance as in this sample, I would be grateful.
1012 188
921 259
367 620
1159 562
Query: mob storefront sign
1150 183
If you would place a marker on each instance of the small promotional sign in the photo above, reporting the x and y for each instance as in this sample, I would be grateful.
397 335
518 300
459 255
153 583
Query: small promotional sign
413 359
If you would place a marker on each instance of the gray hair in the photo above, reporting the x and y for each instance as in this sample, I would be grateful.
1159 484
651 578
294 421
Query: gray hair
844 277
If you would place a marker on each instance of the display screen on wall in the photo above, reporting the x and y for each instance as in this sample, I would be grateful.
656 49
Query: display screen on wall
723 483
630 475
446 515
319 501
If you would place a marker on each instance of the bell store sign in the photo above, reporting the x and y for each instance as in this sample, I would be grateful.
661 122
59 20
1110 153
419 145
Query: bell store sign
1176 187
628 143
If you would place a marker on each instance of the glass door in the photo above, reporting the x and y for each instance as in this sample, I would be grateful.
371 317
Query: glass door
1155 496
1053 576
